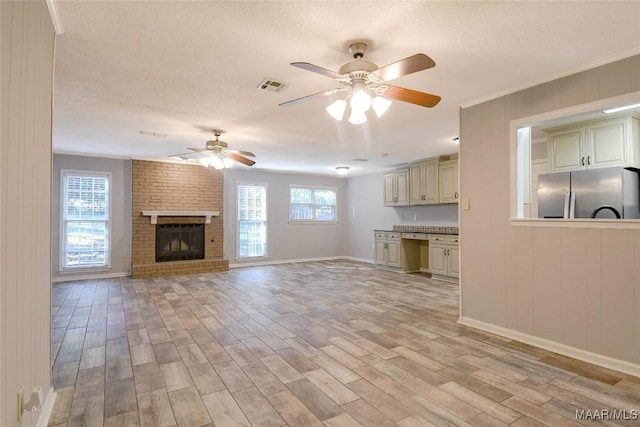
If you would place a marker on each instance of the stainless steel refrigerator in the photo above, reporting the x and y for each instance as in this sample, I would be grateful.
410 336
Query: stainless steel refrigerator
600 193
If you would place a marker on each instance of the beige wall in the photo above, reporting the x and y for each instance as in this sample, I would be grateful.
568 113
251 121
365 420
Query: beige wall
28 38
577 288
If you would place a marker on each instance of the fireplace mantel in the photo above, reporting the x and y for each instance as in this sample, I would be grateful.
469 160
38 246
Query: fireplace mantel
153 215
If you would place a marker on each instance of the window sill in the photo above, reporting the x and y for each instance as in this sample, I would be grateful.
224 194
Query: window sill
85 270
296 222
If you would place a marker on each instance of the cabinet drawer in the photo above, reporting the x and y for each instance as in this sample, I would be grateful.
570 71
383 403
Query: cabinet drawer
454 240
438 238
381 235
414 236
393 235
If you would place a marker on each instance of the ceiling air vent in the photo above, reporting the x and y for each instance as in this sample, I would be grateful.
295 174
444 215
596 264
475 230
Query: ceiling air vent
270 85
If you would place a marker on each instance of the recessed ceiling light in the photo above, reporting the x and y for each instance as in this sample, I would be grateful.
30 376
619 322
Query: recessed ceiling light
342 170
383 155
156 134
360 160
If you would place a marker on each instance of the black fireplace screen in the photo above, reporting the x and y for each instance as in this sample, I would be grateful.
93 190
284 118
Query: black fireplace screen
176 242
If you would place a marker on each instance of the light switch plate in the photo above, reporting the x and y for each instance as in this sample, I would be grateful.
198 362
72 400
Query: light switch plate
465 204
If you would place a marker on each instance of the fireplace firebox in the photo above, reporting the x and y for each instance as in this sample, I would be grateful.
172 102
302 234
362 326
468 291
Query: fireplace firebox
175 242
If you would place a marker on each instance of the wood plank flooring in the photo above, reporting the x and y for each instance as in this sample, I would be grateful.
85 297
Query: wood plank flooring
337 344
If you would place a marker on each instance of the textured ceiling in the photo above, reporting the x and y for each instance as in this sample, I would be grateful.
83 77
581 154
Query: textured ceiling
185 68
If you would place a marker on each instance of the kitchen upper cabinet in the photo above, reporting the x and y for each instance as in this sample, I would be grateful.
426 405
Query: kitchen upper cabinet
423 182
396 188
595 144
448 181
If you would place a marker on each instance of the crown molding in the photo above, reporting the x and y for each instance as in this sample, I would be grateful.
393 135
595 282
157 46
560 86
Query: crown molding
55 16
593 64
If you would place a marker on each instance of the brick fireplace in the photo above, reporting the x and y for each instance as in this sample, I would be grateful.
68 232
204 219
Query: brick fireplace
170 193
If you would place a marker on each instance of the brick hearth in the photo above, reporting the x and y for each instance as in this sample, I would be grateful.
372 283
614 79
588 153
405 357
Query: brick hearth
175 187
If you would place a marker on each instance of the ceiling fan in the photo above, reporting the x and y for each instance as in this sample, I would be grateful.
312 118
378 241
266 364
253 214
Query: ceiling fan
364 79
217 154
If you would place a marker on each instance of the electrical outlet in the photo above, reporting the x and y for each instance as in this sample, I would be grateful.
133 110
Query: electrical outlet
124 258
20 402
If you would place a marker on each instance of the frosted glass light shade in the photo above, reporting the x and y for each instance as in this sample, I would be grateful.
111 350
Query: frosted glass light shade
360 101
227 162
336 109
380 105
357 117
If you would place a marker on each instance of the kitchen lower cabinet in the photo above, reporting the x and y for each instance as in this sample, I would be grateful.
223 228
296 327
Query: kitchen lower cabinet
388 251
444 257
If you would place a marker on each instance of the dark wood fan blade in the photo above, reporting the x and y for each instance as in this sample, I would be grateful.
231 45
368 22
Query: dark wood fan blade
241 159
412 96
417 62
310 97
244 153
319 70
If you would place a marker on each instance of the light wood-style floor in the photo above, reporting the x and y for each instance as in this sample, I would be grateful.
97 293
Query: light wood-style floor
309 344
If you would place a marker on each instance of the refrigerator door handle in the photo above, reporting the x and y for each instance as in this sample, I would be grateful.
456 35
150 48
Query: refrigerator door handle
572 204
569 204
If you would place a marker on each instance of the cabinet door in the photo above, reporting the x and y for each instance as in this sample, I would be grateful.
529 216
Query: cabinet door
607 145
437 259
454 261
448 182
389 189
380 251
402 188
416 180
393 253
566 150
430 182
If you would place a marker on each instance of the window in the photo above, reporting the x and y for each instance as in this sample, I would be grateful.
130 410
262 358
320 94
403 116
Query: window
85 220
252 220
312 204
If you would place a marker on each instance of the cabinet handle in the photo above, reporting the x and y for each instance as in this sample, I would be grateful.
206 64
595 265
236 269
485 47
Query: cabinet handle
456 195
588 160
582 161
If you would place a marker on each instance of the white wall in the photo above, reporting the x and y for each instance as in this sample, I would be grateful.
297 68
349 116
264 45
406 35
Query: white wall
577 289
365 213
285 241
27 37
120 236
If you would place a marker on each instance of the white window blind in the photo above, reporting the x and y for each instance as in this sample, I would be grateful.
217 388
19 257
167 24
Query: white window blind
312 204
85 222
252 220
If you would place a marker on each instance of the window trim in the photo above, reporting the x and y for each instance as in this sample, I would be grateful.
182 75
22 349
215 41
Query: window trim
313 205
62 221
266 221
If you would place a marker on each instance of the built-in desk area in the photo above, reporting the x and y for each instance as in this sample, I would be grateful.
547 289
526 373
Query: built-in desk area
427 249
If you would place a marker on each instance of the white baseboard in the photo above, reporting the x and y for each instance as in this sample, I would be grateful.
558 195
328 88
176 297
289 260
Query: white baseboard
556 347
89 277
47 408
353 258
285 261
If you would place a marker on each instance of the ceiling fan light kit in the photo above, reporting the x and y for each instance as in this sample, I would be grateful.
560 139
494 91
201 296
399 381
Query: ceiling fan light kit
366 87
217 154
